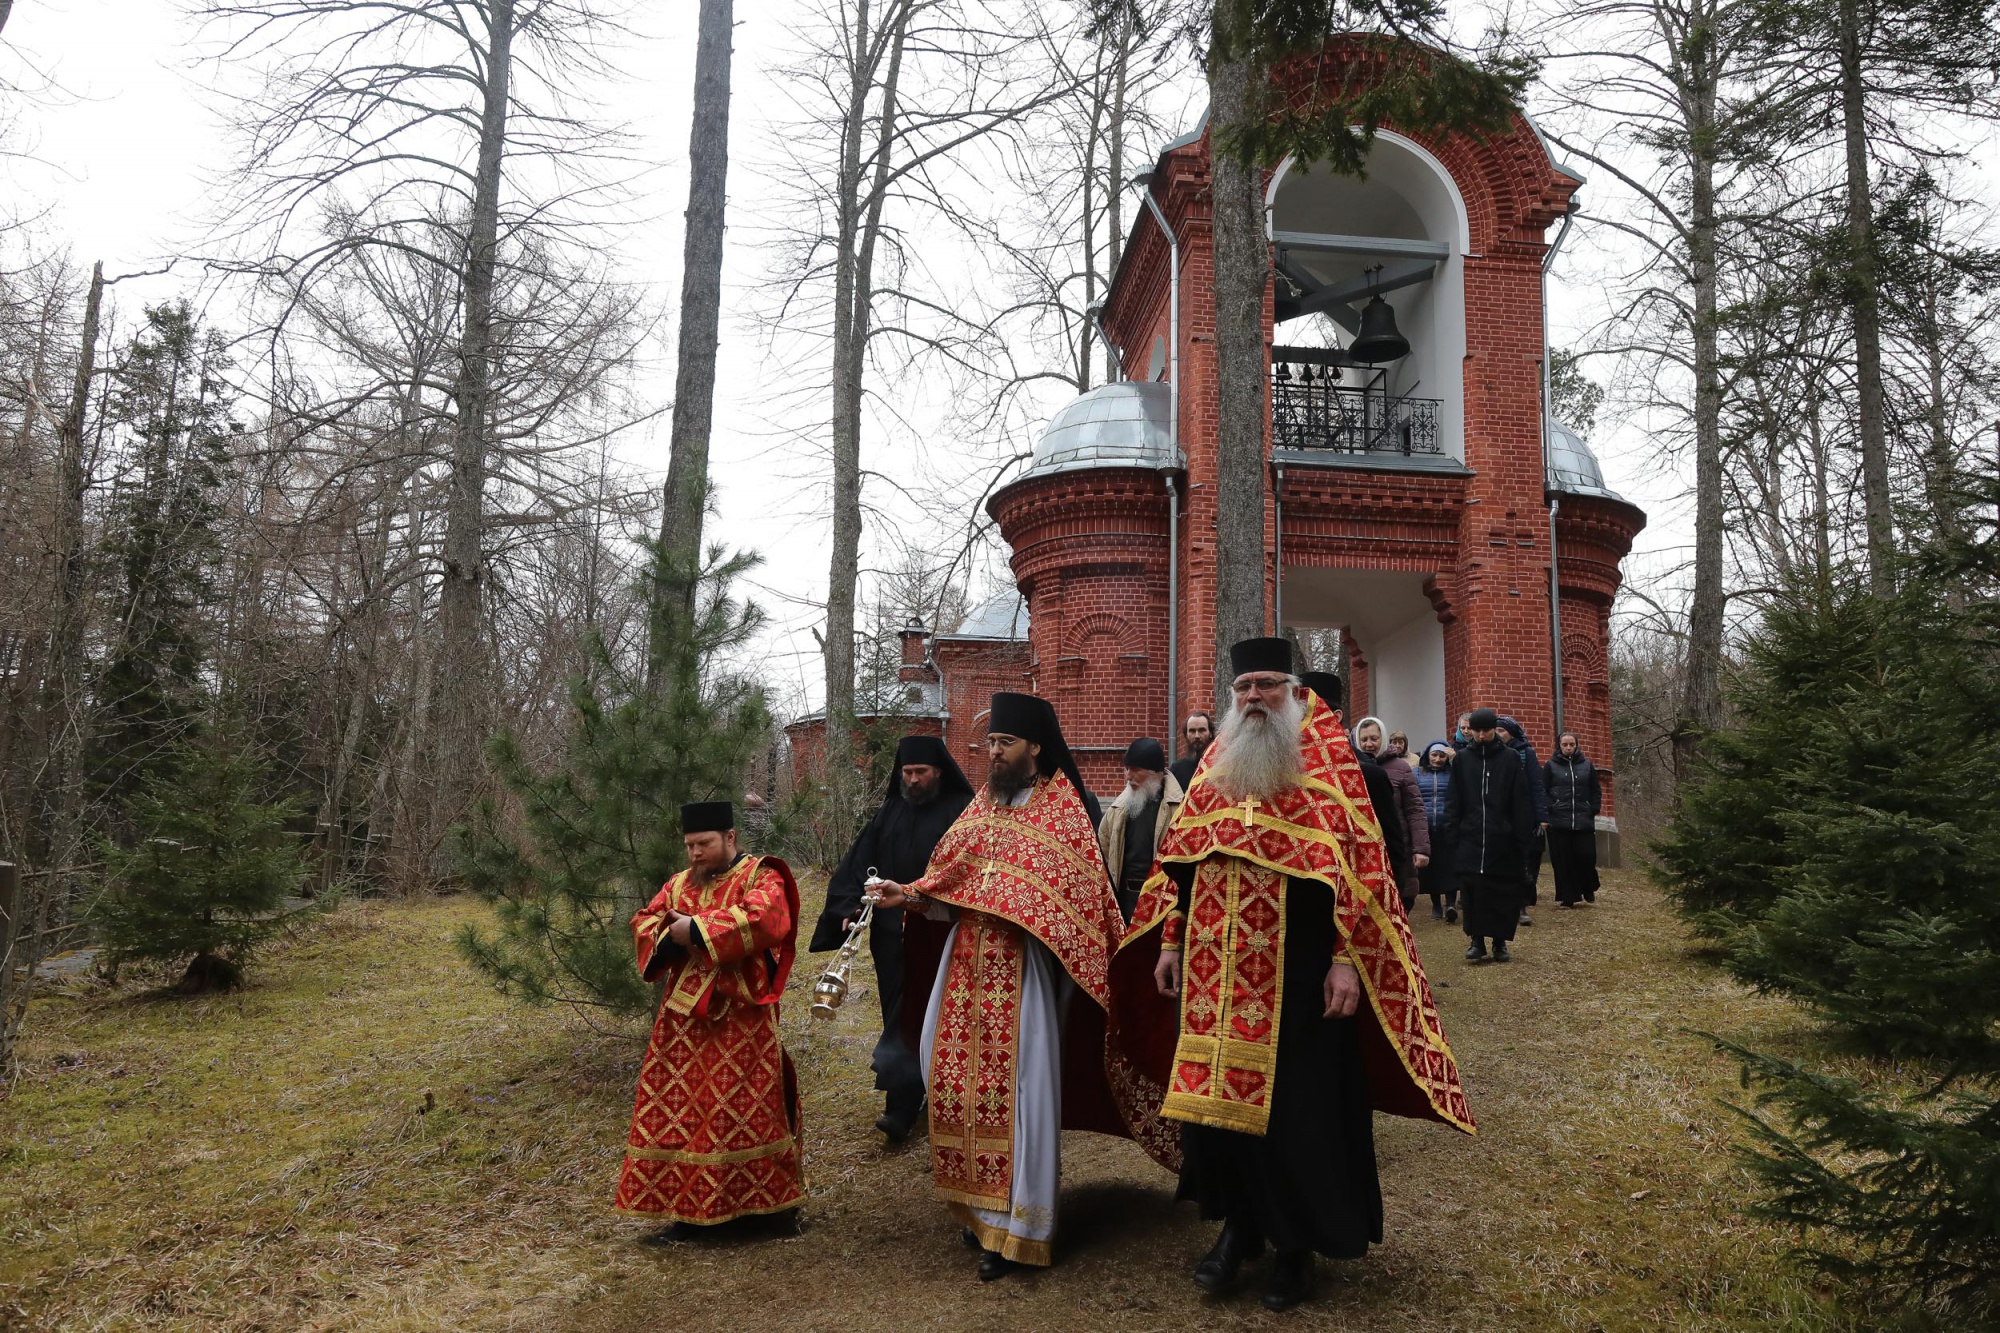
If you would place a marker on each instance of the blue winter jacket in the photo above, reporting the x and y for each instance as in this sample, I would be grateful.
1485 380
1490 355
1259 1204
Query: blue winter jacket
1434 784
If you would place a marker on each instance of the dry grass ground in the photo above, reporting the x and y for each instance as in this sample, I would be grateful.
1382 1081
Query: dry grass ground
369 1139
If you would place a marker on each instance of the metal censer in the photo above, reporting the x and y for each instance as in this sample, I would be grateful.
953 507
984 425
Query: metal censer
830 991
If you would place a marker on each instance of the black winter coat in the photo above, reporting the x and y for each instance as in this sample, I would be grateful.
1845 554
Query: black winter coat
1574 794
1489 811
1388 810
898 842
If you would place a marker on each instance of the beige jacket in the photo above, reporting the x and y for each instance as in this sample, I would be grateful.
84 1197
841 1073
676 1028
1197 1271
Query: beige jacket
1111 832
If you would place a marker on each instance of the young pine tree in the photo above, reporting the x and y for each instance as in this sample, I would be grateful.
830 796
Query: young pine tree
584 844
206 878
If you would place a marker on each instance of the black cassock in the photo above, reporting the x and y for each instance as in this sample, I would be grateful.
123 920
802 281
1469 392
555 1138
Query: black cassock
1309 1181
897 843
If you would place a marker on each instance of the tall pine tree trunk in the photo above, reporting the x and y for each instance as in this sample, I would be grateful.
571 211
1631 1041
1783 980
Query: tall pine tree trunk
1864 298
1242 273
463 678
686 490
1701 688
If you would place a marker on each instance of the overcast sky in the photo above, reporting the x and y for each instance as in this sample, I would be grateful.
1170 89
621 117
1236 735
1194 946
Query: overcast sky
125 157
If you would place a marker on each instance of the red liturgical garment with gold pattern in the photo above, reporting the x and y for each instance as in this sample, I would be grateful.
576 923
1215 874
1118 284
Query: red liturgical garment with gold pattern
1032 869
715 1121
1224 1063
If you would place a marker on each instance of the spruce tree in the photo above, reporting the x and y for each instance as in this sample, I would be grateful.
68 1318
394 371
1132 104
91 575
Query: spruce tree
1843 845
171 403
579 846
211 865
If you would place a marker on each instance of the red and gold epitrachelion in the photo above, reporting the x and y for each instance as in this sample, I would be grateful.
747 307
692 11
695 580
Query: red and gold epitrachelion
1015 871
1232 942
715 1121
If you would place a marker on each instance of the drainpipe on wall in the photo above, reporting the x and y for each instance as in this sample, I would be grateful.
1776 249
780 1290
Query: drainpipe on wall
1173 606
1145 183
1548 485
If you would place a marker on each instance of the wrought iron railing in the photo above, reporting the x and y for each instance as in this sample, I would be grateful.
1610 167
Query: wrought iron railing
1312 409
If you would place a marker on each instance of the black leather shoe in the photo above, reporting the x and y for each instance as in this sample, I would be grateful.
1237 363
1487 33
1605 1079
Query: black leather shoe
993 1265
1476 954
1500 954
1526 920
1290 1282
1451 912
896 1125
671 1234
1437 914
1218 1270
969 1238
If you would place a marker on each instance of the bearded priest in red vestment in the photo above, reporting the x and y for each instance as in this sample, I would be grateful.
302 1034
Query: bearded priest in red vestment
1013 1036
1276 925
715 1121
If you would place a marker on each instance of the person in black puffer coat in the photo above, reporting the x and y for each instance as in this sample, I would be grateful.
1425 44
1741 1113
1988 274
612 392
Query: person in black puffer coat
1575 797
1492 823
1439 877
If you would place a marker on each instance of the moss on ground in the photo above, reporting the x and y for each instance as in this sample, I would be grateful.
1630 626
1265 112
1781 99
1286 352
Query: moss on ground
368 1138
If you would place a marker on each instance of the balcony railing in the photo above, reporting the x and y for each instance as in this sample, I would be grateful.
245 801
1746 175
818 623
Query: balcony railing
1312 410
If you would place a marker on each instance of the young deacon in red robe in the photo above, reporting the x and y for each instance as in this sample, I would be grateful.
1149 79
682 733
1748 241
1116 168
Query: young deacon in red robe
1013 1036
715 1120
1303 1008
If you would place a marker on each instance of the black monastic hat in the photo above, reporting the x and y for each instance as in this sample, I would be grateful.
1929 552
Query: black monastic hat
927 750
1261 655
1482 719
1329 687
707 817
1146 753
1034 719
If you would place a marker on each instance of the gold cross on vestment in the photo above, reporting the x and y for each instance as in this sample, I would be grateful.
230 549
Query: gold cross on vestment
1250 804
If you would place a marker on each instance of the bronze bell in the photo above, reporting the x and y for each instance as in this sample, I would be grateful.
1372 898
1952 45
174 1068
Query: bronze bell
1379 339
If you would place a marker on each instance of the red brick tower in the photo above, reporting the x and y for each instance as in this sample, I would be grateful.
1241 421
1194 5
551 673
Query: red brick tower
1413 497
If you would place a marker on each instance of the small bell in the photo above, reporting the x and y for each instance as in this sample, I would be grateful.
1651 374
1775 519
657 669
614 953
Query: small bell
1379 339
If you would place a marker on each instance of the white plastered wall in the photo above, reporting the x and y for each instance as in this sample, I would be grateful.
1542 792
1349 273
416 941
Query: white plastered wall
1399 634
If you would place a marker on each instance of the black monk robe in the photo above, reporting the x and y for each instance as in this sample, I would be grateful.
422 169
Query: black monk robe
897 842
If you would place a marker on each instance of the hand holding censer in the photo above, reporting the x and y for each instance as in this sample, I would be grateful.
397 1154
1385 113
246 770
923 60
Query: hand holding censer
830 991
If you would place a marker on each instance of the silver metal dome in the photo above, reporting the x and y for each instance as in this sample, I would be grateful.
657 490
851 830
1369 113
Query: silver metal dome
1573 468
1002 617
1122 424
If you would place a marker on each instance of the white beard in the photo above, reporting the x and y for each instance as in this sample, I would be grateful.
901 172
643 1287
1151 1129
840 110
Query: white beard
1258 752
1134 798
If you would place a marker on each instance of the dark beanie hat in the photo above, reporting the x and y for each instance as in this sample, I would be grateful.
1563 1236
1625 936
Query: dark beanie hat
708 817
1483 719
1261 655
1146 753
1329 687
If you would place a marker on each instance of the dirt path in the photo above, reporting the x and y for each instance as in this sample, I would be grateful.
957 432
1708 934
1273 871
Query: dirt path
1596 1196
370 1139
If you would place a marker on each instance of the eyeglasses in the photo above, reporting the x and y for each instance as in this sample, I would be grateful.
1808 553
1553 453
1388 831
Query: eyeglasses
1260 684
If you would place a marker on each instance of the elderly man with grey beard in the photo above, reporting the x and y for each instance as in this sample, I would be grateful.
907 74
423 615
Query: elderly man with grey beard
1133 824
1303 1009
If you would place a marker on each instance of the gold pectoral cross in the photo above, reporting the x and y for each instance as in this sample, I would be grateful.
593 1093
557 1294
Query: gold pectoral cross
1250 804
